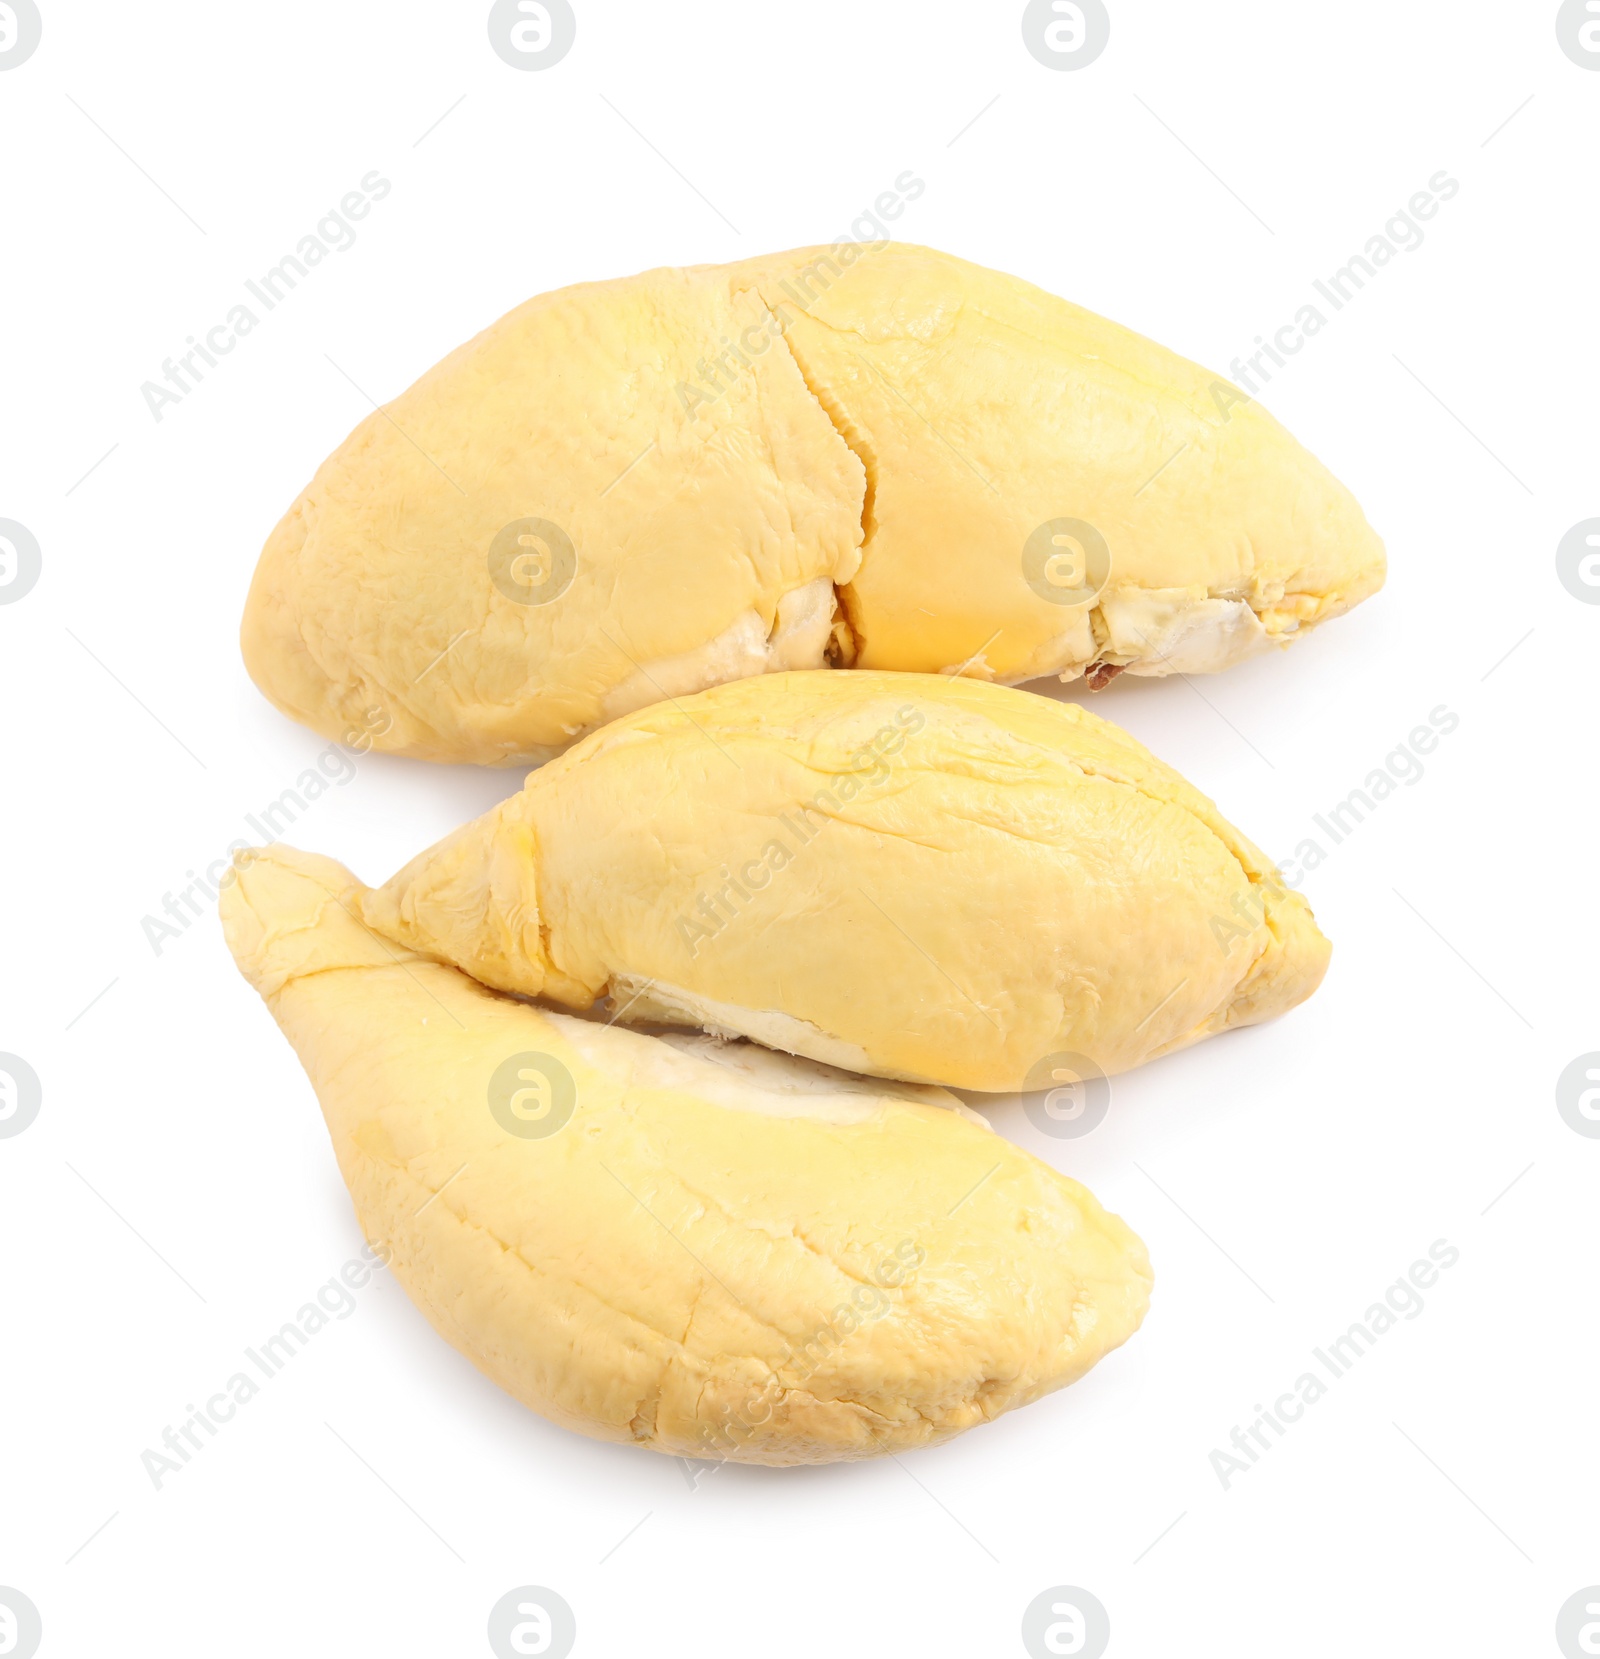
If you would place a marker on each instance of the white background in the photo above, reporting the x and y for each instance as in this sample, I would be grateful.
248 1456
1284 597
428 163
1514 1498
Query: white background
176 1198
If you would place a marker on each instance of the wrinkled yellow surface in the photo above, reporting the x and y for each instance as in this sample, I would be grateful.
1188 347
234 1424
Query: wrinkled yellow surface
741 1256
730 449
912 876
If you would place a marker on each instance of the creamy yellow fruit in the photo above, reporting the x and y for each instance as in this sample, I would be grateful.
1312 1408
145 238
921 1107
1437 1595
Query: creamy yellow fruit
710 1251
876 456
911 876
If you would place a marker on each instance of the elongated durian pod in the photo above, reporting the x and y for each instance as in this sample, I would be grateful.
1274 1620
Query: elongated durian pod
870 455
912 876
705 1250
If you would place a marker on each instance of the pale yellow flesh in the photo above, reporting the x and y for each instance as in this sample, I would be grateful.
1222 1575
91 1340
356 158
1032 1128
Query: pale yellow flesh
736 1256
734 449
912 876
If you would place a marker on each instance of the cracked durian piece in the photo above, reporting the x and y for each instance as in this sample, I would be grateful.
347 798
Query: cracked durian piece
912 876
709 1251
629 490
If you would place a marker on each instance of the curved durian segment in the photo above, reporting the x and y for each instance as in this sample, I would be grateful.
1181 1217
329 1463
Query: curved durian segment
710 1251
914 876
877 456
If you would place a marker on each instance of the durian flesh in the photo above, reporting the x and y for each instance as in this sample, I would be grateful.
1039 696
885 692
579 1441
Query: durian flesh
715 1252
912 876
825 455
